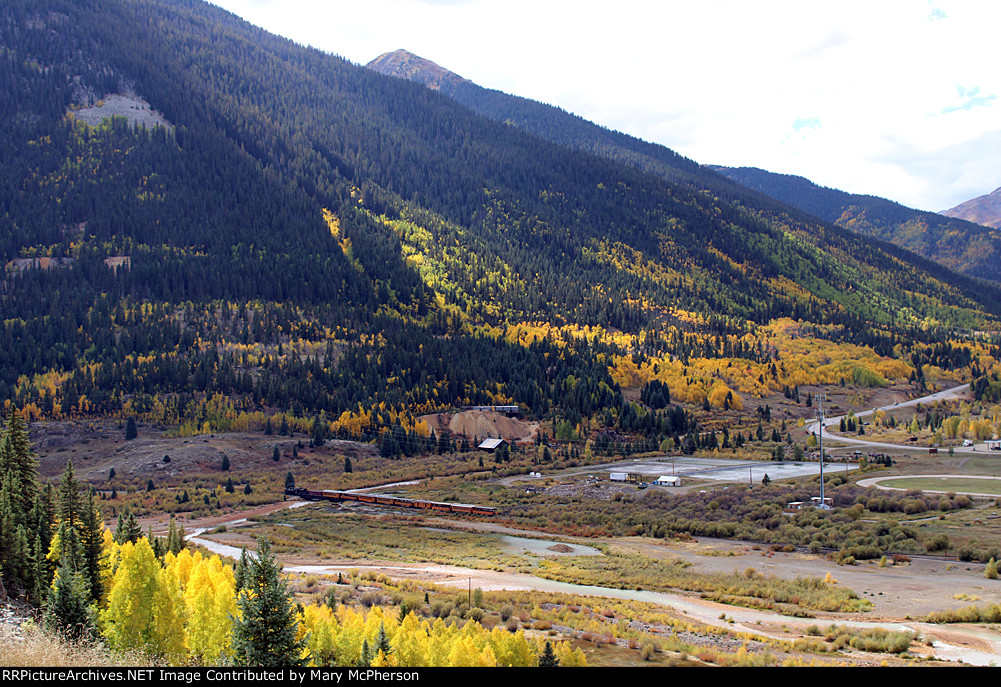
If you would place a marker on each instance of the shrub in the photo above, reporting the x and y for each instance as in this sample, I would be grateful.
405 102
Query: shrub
939 542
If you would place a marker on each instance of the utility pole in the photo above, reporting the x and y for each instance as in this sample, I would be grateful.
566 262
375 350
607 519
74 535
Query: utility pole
820 416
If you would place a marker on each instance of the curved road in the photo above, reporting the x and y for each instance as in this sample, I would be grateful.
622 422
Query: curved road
947 394
743 619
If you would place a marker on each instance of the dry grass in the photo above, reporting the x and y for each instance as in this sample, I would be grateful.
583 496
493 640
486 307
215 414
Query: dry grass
29 646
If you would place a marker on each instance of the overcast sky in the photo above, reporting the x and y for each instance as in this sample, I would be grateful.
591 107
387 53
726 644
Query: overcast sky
895 98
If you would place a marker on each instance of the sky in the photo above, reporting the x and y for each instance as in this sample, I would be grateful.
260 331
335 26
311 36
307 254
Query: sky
893 98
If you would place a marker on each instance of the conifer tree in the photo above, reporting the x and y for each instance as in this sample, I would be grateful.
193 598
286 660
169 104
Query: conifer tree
70 506
242 570
18 460
91 532
265 634
319 434
365 659
547 659
175 537
69 610
127 529
382 640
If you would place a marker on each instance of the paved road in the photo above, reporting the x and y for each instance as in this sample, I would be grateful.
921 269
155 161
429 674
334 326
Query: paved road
875 482
947 394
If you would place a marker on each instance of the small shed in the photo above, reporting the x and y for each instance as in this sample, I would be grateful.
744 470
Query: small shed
619 477
665 481
994 444
490 445
824 504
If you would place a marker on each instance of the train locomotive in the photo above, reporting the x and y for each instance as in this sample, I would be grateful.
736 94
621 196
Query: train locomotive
383 500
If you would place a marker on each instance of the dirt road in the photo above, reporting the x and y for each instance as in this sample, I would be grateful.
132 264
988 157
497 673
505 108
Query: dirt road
898 593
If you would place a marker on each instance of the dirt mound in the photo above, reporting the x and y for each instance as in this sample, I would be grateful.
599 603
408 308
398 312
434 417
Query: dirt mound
481 424
560 548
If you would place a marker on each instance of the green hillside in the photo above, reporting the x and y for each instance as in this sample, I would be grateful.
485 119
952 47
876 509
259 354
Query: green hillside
962 246
312 237
958 245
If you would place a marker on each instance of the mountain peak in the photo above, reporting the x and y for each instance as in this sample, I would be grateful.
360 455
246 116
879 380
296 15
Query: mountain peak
406 65
985 210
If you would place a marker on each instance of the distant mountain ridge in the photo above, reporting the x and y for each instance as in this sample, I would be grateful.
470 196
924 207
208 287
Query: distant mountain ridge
546 121
949 239
953 243
985 210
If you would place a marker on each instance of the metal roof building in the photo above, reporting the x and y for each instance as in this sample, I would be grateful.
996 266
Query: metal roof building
490 444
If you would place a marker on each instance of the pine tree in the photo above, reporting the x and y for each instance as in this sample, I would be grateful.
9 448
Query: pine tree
17 458
175 537
365 660
131 430
242 570
69 610
547 659
265 633
319 434
127 529
382 640
91 532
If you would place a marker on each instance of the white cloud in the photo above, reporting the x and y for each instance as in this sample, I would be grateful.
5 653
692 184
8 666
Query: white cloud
722 82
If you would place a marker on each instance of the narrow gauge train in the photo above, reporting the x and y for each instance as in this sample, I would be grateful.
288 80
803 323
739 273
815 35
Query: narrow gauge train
382 500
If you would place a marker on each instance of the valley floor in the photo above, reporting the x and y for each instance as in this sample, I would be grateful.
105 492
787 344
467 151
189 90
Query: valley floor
899 593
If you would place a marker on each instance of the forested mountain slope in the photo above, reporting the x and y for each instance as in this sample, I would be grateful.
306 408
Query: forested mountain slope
314 237
959 245
948 239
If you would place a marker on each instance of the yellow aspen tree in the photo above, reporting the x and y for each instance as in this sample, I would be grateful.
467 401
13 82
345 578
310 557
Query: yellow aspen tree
210 600
465 654
512 650
410 643
182 564
145 608
349 637
321 625
438 643
570 657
